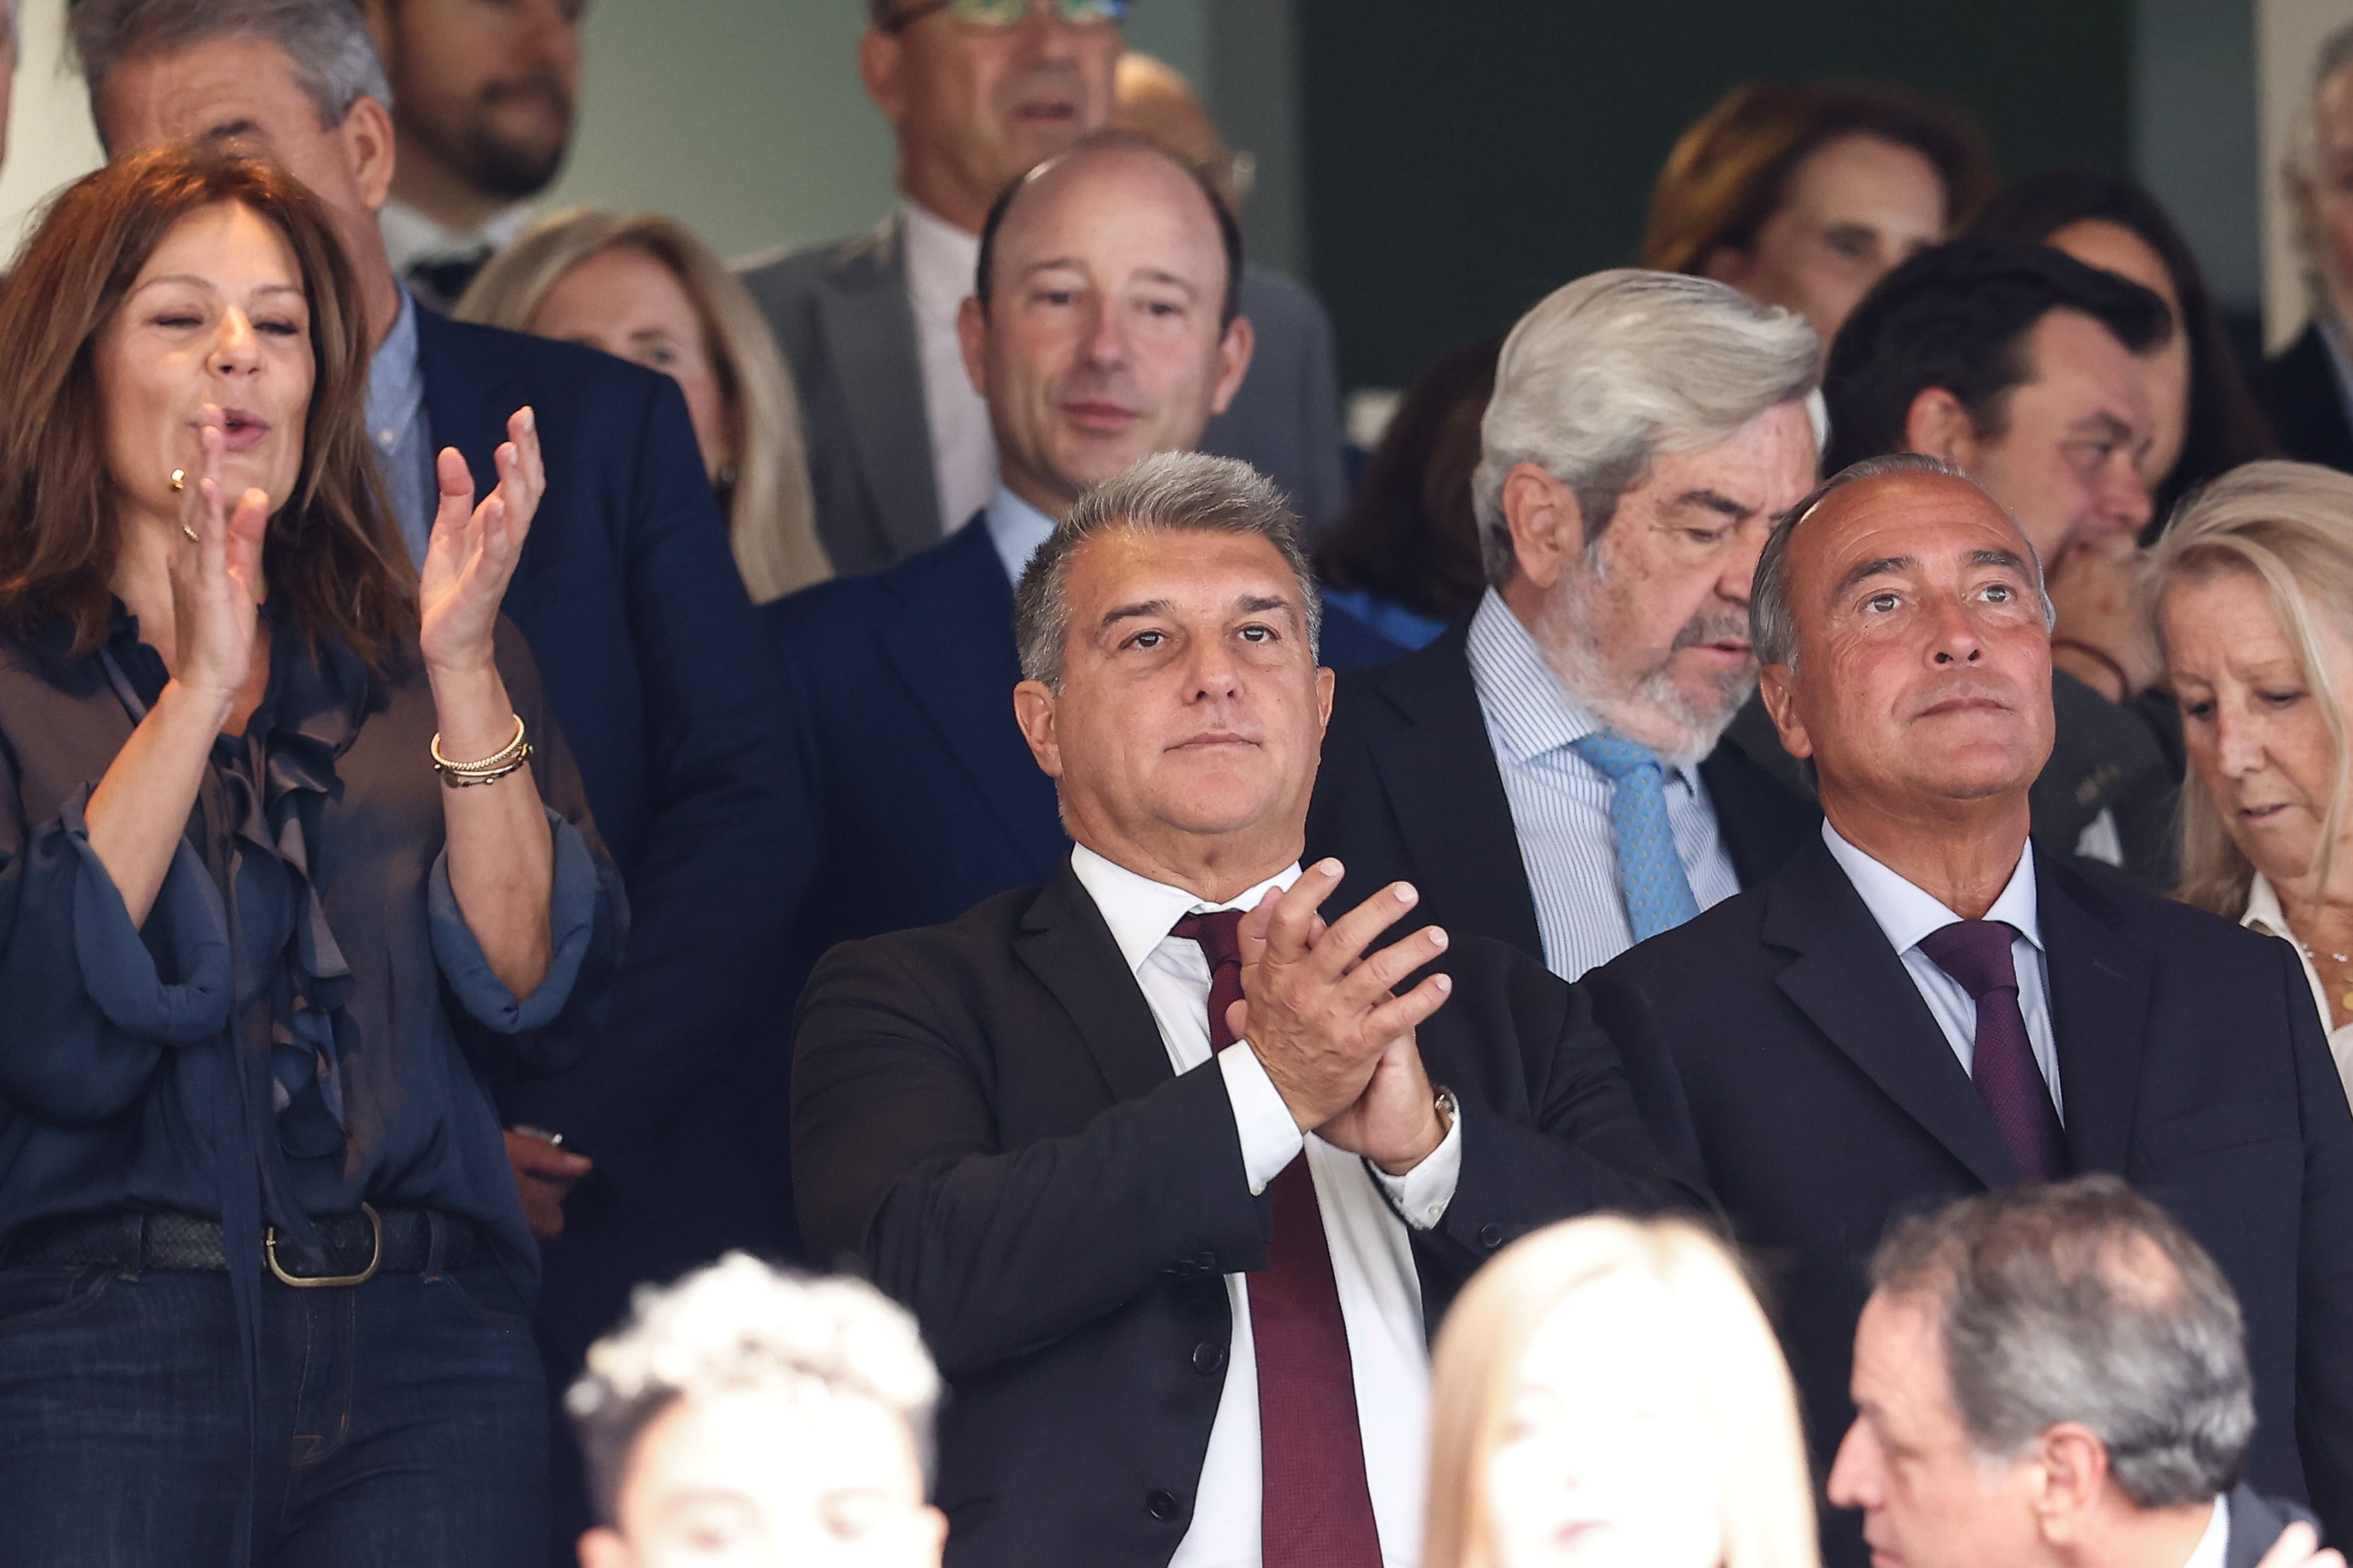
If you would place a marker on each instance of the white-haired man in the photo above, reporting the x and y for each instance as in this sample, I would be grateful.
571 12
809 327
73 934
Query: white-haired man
1553 774
756 1418
2307 388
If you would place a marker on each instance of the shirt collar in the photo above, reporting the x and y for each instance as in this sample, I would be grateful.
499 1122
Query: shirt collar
2263 911
1528 710
395 377
941 259
1140 911
1907 912
1017 530
411 235
2213 1548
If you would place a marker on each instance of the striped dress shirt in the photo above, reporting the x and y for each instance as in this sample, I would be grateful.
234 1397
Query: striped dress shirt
1560 802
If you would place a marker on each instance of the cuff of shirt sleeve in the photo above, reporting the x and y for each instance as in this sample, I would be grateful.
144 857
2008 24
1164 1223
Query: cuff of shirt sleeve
571 926
172 982
1271 1138
1422 1194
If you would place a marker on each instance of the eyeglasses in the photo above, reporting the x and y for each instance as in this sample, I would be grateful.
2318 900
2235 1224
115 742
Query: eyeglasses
1010 13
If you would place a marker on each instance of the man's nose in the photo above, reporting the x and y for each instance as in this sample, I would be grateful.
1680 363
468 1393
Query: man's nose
1107 334
2124 499
1048 35
1953 632
1211 670
1850 1479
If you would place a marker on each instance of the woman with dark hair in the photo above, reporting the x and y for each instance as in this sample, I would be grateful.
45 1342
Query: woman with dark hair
1404 557
292 865
1806 195
2207 421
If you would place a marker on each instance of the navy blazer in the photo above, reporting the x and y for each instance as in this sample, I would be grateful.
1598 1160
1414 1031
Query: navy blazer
929 798
1782 1054
1410 791
653 664
2298 391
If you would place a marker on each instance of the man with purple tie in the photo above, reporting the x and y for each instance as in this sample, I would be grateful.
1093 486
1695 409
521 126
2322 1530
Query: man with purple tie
1921 1008
1175 1176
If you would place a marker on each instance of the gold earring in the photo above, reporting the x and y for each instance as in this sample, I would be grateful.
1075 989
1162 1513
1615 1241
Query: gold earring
179 480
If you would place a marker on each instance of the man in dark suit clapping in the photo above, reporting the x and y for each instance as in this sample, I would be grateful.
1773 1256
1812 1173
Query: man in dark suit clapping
1920 1006
1174 1175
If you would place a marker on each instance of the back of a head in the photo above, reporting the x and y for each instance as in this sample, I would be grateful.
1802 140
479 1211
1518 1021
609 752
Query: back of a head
1729 171
1711 1319
2084 1302
1956 317
327 40
1608 371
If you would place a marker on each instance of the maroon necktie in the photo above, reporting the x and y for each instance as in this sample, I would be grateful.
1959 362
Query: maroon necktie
1317 1510
1977 953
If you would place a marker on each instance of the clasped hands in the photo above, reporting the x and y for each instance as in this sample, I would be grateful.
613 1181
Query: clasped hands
1323 1019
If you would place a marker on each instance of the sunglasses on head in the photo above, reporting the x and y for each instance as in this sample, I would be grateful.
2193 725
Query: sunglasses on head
1009 13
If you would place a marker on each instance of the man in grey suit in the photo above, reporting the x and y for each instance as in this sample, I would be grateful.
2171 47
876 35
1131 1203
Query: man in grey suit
978 91
2056 1377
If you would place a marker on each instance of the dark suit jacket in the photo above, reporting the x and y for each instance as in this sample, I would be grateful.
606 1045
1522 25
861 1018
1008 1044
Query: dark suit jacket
929 798
1410 790
654 666
2256 1522
1781 1051
984 1120
842 315
2298 391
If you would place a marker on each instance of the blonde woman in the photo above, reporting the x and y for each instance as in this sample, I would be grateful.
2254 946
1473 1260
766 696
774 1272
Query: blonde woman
641 286
2252 587
1608 1392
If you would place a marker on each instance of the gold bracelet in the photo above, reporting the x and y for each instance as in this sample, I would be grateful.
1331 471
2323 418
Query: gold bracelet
491 769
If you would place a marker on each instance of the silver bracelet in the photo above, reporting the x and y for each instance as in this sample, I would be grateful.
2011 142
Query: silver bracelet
491 769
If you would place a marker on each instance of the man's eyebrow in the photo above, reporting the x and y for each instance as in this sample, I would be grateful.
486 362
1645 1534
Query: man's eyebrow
1137 611
231 130
1715 501
2102 424
1173 280
1883 566
2010 559
1259 603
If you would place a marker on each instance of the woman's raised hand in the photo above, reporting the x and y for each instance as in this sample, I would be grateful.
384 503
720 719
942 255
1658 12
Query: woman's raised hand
217 575
474 548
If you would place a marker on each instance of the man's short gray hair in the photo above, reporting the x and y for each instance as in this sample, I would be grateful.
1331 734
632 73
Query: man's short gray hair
1772 628
1166 493
1611 371
741 1324
334 59
2085 1303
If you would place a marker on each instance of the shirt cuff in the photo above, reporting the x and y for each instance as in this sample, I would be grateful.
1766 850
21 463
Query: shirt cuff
1422 1194
1270 1137
572 907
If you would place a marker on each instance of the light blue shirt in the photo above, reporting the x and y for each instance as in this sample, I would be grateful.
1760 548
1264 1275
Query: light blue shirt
1906 914
1017 530
1560 802
399 430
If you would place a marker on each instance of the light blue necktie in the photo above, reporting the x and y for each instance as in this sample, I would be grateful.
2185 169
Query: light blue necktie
1649 873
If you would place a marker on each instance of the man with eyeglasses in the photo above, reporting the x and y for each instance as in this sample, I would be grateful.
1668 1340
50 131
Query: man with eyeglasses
979 92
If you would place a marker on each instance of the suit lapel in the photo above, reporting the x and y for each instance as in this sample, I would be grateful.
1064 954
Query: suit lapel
1853 985
1441 776
952 643
1065 943
2100 986
868 328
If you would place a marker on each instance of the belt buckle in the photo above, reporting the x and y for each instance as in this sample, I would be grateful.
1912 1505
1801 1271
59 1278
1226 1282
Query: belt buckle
269 1252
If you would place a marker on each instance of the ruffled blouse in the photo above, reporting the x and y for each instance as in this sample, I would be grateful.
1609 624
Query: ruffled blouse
304 1021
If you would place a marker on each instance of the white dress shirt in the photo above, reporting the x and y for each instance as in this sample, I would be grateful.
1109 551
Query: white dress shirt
940 258
2265 914
2213 1548
1906 914
1372 1259
1017 529
1560 802
411 235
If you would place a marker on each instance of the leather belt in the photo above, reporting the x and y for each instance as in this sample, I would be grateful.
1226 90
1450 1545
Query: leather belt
357 1246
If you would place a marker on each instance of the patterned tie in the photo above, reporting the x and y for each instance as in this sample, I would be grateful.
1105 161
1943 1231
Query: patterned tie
1977 953
1317 1509
1651 876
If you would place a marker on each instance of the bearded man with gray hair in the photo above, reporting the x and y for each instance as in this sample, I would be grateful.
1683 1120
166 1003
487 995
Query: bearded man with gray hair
1553 774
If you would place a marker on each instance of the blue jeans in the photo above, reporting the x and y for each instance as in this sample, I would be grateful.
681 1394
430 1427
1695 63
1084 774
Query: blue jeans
401 1422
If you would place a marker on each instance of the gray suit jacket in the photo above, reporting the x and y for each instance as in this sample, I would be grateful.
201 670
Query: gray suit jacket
2256 1522
842 315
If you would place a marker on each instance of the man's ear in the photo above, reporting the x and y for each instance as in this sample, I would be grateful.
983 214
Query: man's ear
1546 522
972 337
1937 425
1033 709
881 59
1775 686
367 138
1235 347
2069 1475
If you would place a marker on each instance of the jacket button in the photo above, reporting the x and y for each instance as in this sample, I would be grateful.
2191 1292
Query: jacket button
1209 1359
1161 1505
1207 1262
1490 1236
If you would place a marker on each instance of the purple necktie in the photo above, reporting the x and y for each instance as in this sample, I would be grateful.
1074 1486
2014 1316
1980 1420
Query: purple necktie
1317 1508
1976 954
